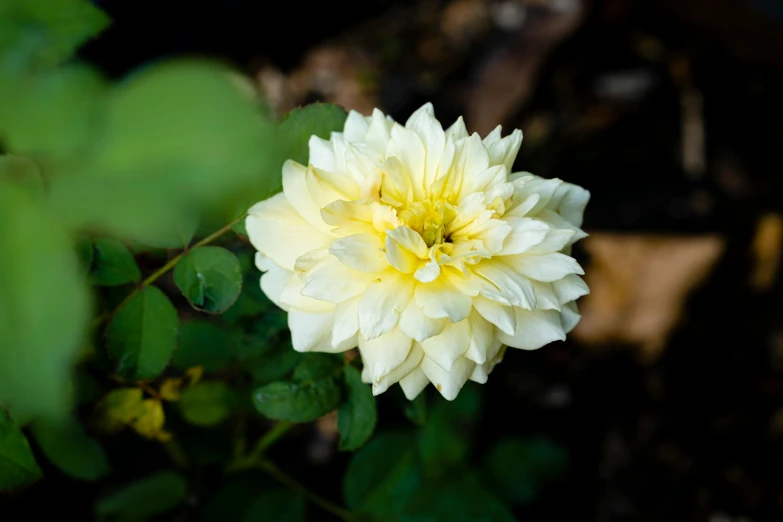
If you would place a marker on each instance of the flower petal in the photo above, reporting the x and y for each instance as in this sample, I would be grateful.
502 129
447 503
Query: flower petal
311 332
410 240
496 313
331 280
481 337
382 302
363 252
534 329
297 193
449 346
570 201
440 299
384 353
413 383
409 365
513 286
346 321
292 297
274 281
569 288
545 268
525 234
430 131
570 316
417 325
271 225
448 383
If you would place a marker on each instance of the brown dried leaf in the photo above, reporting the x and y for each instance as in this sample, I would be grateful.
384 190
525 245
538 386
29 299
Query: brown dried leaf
638 286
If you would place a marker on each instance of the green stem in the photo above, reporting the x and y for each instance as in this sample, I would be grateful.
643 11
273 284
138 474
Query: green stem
269 438
173 262
274 472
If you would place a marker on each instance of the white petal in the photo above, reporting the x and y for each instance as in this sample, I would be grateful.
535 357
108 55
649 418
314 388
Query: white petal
441 299
555 241
481 338
331 280
498 314
279 232
410 240
481 371
326 186
356 127
471 160
273 282
545 268
346 321
448 383
297 193
569 288
545 188
291 297
525 234
457 130
310 332
493 233
413 383
513 286
546 299
378 135
407 147
410 364
363 252
504 151
382 303
534 329
430 131
570 201
570 316
449 346
401 258
417 325
555 220
321 153
382 354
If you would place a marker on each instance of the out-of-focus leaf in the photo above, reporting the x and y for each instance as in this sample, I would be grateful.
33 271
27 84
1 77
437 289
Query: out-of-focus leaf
358 415
517 468
85 253
383 475
86 388
49 32
297 402
210 278
43 308
143 334
177 234
444 439
416 410
149 496
457 499
69 448
150 420
51 113
280 505
207 403
269 363
317 366
203 344
17 463
113 264
319 119
119 408
23 173
178 140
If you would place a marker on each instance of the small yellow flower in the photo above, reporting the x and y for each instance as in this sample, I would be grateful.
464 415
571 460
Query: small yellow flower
421 248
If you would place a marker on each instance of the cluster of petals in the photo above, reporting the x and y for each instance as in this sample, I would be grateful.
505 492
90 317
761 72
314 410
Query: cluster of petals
419 246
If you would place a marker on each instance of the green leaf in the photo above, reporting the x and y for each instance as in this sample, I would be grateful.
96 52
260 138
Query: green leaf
113 264
517 468
179 140
297 402
207 403
119 408
270 363
280 505
416 410
357 416
50 114
143 334
49 31
203 344
69 448
383 475
444 439
149 496
17 463
23 173
317 366
210 278
458 498
44 308
86 254
177 234
296 128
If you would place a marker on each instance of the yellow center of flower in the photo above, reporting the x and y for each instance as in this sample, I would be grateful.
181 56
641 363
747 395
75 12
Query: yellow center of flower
430 219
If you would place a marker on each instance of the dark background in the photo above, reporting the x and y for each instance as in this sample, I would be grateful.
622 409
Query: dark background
680 420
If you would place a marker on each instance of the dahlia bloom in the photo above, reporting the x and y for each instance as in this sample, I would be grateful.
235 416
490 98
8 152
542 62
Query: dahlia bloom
418 246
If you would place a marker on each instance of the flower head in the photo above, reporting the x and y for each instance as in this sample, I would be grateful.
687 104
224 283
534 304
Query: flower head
418 246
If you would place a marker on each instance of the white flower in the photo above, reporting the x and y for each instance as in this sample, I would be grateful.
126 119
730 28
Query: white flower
416 245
